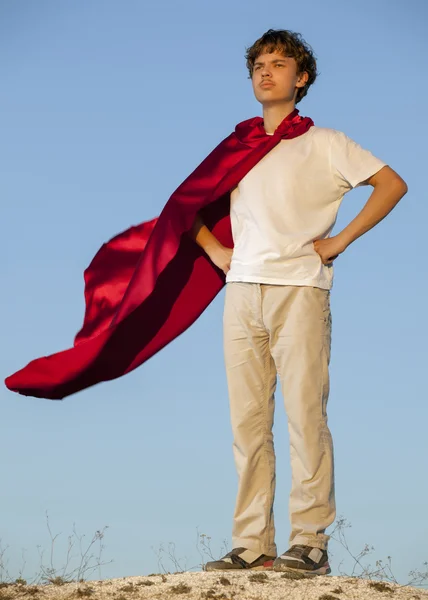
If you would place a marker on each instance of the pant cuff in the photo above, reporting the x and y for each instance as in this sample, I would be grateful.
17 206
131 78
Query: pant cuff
309 541
254 546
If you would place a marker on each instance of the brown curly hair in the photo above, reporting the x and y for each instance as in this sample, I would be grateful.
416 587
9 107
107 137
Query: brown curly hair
289 44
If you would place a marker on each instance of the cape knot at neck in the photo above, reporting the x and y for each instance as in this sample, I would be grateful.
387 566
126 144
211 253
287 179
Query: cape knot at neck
252 131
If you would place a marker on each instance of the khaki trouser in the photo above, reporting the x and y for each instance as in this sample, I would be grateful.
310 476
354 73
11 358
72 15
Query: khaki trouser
284 330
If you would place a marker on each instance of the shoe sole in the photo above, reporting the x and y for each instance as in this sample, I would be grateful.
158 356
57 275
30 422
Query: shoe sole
291 573
268 566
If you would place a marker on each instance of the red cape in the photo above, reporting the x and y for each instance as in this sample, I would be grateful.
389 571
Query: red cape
150 283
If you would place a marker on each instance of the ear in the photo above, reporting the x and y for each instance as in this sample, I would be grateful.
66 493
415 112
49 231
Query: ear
302 80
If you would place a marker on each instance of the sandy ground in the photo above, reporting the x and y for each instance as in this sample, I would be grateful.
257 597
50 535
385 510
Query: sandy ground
218 586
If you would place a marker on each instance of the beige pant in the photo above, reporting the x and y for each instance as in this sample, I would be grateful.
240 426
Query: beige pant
284 330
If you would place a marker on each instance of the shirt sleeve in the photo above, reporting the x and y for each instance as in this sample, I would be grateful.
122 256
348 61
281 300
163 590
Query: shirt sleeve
351 163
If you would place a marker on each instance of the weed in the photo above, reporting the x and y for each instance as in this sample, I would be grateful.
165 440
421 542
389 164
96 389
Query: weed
213 595
181 588
85 592
381 587
258 578
31 590
382 570
129 587
58 580
141 583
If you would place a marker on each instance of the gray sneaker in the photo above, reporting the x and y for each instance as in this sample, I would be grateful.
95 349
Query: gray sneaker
302 561
241 558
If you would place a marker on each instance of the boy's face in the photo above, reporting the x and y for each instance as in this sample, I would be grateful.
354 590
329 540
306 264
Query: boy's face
275 78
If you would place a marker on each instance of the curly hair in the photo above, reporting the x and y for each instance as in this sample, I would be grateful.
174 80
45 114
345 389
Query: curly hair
289 44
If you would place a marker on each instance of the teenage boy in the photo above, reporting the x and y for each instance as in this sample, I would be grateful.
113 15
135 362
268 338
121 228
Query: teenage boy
277 318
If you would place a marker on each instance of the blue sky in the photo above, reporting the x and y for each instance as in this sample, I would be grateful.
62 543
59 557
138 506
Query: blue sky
105 107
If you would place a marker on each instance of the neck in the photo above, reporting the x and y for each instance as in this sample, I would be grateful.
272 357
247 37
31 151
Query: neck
274 114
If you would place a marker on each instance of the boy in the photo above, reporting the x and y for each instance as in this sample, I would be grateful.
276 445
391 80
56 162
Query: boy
277 318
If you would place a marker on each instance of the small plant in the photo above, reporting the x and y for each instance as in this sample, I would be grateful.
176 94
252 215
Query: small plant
381 587
258 578
129 587
87 562
84 592
32 591
382 570
58 580
213 595
203 546
181 588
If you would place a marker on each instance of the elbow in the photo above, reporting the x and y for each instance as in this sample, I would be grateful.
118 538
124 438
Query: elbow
399 185
389 178
402 187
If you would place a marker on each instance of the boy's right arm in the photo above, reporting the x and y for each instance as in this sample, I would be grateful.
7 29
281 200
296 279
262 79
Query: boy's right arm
219 254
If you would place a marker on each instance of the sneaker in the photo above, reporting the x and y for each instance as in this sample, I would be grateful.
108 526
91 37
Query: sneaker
241 558
302 561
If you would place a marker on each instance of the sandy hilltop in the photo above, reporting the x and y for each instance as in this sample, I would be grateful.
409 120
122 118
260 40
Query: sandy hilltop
218 586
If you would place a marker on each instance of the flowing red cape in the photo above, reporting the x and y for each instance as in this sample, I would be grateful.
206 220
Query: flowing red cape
150 283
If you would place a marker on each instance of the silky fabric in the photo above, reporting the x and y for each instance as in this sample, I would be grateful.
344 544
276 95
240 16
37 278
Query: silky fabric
150 283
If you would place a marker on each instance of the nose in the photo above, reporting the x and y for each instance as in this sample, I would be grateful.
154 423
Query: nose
265 71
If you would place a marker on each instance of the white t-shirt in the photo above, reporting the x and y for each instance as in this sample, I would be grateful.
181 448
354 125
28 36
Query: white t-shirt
289 199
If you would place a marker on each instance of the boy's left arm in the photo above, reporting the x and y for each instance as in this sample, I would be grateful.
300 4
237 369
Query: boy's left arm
388 190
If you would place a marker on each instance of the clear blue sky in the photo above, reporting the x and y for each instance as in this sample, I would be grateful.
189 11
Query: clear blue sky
105 107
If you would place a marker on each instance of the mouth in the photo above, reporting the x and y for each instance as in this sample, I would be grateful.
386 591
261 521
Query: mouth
267 84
